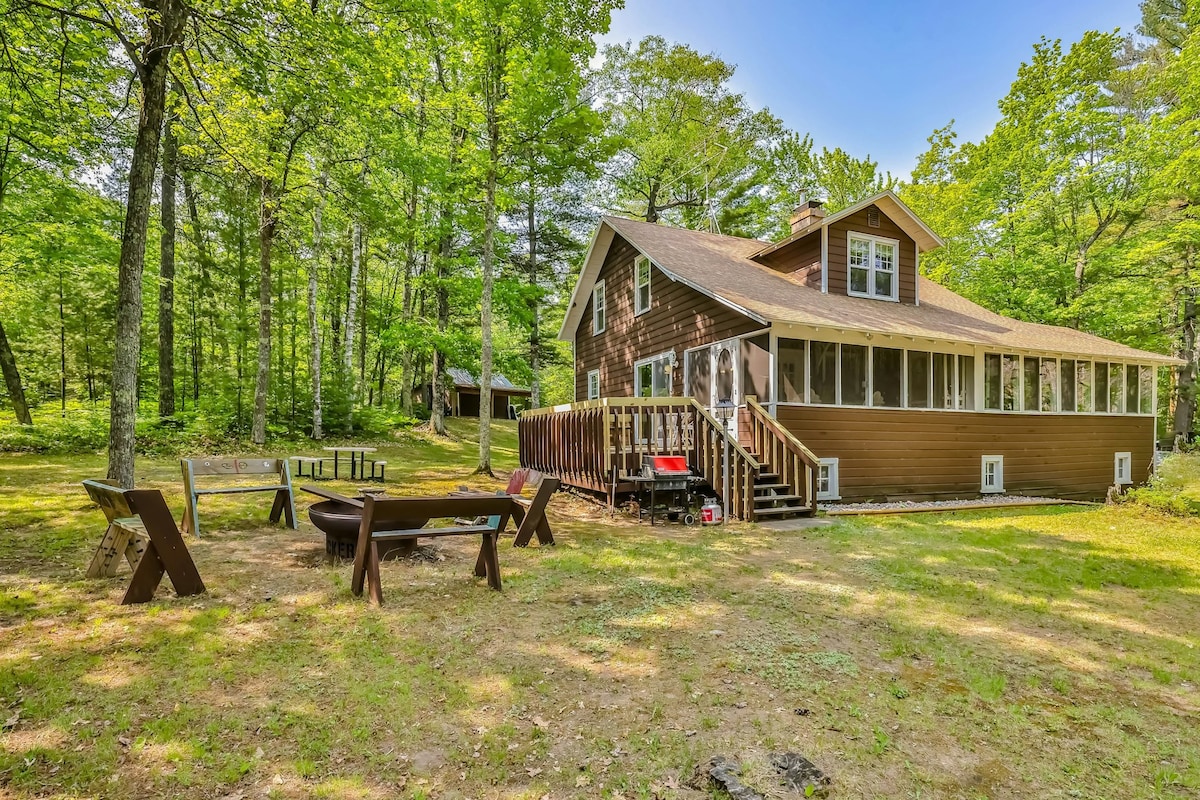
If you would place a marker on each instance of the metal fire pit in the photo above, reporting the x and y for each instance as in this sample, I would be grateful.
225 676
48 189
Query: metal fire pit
340 523
670 477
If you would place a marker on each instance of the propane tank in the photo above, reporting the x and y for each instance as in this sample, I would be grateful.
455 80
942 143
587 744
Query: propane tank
710 512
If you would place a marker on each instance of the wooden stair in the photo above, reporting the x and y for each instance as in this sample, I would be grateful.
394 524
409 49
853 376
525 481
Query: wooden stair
771 498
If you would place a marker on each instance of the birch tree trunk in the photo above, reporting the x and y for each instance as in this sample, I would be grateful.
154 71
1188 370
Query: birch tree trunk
314 330
535 343
487 265
351 310
12 380
165 27
166 277
266 239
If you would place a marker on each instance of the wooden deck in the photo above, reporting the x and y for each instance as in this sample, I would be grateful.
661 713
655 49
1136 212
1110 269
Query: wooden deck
596 445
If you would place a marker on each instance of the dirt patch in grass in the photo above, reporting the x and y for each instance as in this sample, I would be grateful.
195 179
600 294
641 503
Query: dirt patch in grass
1046 653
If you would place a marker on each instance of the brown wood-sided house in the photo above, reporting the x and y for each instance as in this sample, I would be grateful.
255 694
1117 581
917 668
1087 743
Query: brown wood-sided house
898 386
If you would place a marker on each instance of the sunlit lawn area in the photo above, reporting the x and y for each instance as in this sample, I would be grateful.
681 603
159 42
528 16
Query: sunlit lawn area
1024 653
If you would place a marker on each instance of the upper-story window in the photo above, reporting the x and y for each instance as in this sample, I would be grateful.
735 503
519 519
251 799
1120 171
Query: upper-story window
874 262
641 285
598 309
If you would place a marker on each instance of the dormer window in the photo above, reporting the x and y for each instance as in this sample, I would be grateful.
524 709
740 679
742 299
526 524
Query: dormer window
641 285
873 266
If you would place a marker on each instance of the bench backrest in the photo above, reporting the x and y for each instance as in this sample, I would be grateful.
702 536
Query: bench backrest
110 498
236 466
383 513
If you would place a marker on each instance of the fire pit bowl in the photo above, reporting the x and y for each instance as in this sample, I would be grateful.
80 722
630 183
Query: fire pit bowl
340 522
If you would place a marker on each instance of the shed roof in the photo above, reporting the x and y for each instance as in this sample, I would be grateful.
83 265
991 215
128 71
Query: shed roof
722 268
464 379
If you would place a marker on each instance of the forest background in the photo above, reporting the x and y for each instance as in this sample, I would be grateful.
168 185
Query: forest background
234 223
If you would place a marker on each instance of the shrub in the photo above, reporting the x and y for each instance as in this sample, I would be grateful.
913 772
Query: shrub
1174 488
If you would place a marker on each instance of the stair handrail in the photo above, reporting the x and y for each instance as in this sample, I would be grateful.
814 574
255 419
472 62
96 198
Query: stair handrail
734 446
787 437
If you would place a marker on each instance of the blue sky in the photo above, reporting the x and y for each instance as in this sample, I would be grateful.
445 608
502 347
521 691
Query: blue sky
873 77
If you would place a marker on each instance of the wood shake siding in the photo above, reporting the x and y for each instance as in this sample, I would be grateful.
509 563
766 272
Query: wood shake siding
800 260
889 453
839 265
679 318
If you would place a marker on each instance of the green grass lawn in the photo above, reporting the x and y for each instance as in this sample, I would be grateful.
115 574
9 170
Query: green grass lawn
1046 652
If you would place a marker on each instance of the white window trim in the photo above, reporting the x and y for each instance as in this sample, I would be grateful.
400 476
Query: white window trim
597 325
870 293
669 357
834 491
595 373
983 465
1118 478
637 286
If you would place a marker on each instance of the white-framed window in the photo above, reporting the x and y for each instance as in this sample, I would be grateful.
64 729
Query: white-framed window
599 310
991 477
827 479
652 376
1122 468
593 384
641 285
873 265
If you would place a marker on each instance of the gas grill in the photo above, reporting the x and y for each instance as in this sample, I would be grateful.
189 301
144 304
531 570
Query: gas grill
668 478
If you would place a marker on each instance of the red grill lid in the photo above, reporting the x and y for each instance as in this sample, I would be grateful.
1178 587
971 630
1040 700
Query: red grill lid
668 463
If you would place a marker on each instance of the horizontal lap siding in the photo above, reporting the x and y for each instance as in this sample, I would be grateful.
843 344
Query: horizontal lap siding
679 318
884 453
801 260
839 259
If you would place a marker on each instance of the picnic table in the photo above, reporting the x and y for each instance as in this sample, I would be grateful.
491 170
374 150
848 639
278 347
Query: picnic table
358 461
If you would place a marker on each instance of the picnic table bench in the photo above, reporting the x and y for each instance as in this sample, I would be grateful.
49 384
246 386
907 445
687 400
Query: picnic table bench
529 513
141 528
196 467
381 515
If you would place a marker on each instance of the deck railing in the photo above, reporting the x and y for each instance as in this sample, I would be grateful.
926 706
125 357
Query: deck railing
786 455
596 444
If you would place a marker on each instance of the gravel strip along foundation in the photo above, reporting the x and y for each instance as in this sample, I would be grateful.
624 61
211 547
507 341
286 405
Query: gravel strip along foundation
914 507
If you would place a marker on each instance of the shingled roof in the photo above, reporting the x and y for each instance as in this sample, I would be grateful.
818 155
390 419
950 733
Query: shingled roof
721 267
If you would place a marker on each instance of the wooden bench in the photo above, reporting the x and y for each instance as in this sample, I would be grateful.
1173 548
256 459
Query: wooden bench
141 528
198 467
382 514
529 513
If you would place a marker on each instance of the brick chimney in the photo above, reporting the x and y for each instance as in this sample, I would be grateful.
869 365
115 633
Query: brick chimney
806 215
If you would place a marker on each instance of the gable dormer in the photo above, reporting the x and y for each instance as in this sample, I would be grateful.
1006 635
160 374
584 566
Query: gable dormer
871 249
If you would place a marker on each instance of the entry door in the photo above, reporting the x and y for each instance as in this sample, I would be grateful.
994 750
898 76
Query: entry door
726 382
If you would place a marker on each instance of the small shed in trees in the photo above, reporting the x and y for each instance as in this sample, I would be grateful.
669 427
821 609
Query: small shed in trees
462 396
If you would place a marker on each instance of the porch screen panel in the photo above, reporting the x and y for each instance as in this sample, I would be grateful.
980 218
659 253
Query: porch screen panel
1031 376
919 376
854 375
1011 375
1116 387
1066 385
699 370
823 374
1131 389
1101 390
887 366
1146 390
789 370
943 381
992 381
1083 386
966 382
755 364
1049 387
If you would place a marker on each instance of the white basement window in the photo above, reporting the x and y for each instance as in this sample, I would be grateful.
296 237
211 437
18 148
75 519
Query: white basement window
1122 468
873 266
991 480
598 308
593 385
827 479
641 285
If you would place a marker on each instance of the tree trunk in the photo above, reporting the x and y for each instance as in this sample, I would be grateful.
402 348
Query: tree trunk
535 344
12 380
266 238
166 278
1185 374
441 293
314 329
406 357
485 316
165 28
351 310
